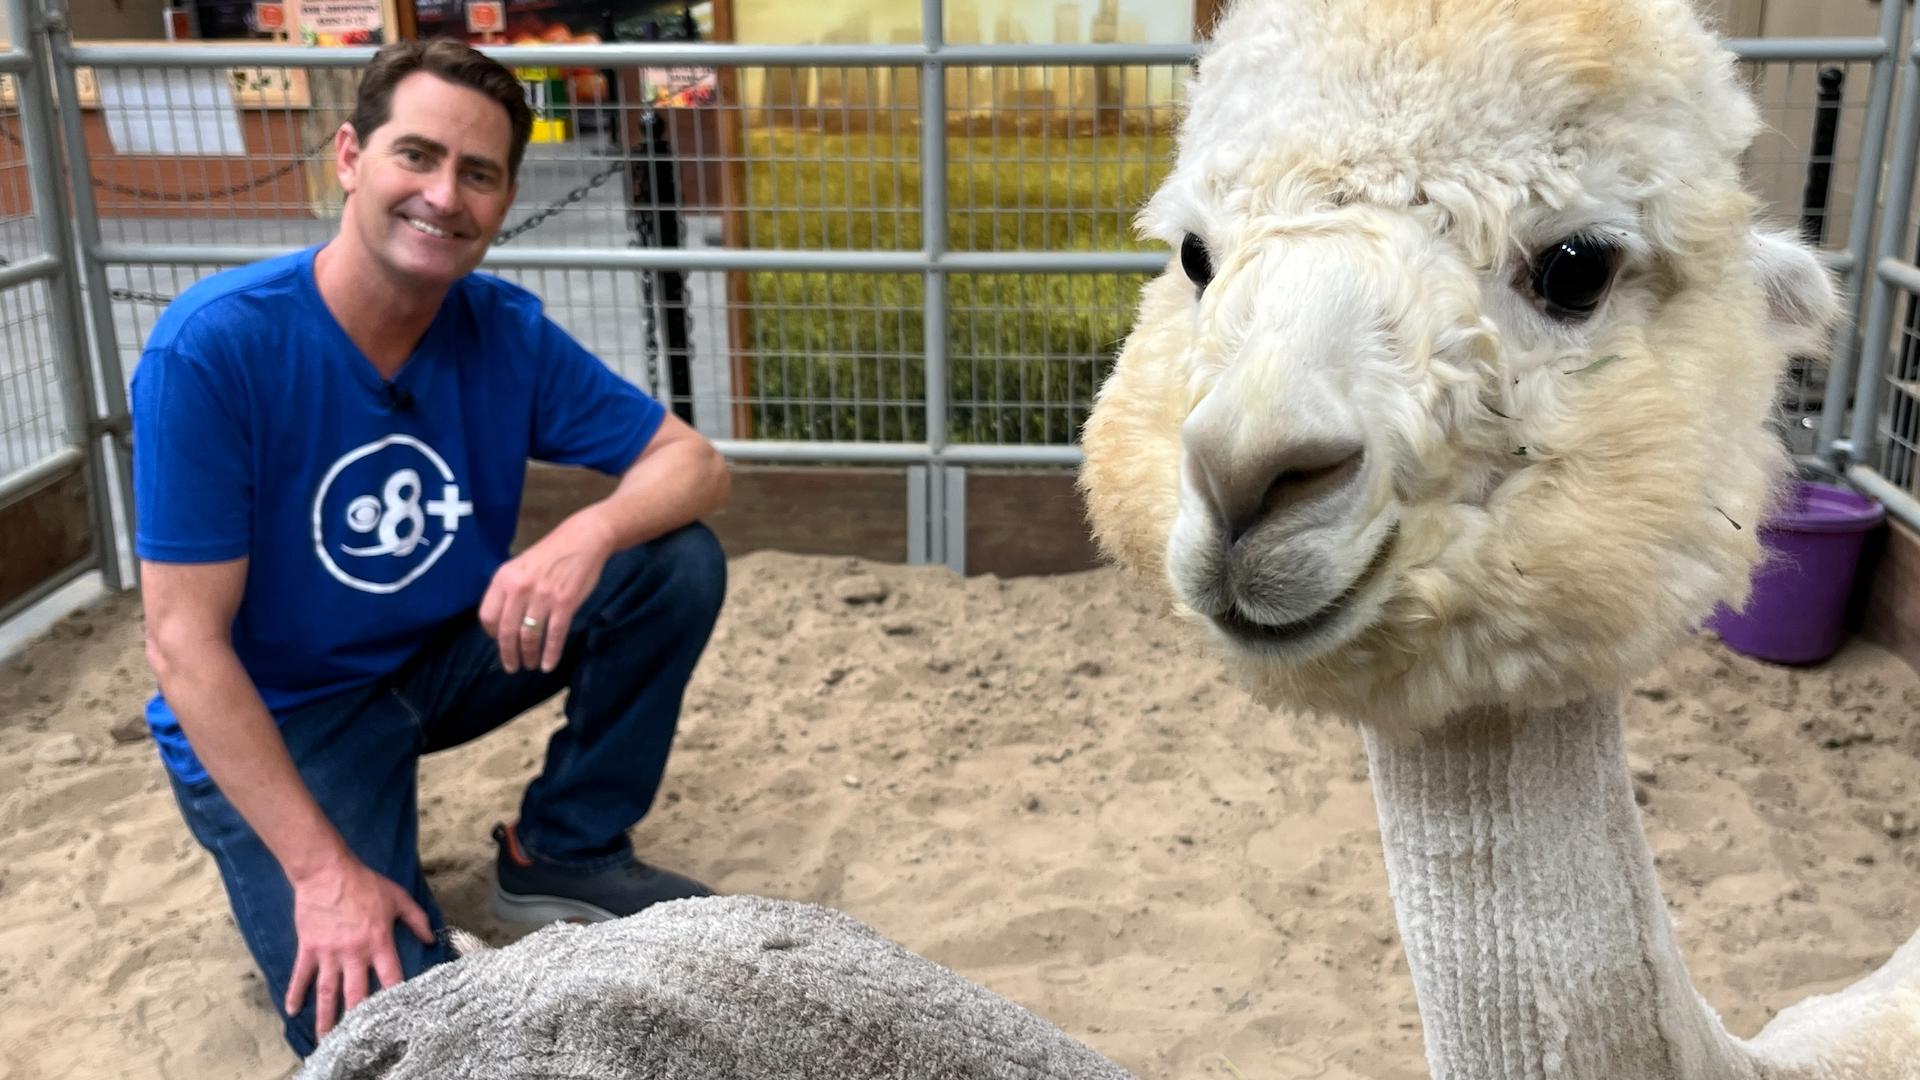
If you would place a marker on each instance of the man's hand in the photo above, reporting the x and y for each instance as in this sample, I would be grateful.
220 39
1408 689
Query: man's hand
531 603
343 916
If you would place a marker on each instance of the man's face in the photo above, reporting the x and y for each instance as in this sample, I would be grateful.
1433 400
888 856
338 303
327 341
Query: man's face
429 187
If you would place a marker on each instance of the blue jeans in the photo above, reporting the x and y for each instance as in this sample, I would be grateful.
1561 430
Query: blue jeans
629 653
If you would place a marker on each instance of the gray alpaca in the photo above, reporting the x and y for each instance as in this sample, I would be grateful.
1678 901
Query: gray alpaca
737 987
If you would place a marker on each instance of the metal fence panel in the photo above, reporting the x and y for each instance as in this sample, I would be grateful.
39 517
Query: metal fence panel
1884 438
1052 158
45 399
1807 165
33 424
826 159
769 239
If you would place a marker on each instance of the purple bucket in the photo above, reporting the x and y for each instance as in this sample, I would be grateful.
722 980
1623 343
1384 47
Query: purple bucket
1797 613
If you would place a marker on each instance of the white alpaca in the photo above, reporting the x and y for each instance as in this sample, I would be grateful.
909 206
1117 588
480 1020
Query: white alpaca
1448 419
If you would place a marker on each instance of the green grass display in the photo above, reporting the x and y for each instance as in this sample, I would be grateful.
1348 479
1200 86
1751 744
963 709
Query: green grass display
840 356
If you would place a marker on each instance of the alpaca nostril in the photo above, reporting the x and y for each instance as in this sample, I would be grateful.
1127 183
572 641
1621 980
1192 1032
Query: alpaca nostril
1301 475
1300 485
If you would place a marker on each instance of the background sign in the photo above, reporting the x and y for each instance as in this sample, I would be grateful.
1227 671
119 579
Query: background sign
486 16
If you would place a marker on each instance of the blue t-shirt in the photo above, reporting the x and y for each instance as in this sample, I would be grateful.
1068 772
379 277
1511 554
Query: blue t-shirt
369 512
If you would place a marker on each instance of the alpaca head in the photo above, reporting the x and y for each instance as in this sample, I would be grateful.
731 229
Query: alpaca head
1458 387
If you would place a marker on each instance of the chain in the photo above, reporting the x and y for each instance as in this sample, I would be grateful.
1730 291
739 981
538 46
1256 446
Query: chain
198 196
538 219
264 179
566 200
219 193
139 297
642 236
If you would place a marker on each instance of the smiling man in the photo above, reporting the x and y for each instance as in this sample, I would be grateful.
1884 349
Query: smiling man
329 452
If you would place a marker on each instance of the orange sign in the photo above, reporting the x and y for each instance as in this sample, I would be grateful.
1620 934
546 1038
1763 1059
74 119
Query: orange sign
486 16
269 17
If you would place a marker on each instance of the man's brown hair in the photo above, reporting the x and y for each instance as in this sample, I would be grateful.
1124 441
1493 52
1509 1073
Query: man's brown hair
457 63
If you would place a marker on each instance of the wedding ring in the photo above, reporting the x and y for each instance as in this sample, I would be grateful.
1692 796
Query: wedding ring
530 622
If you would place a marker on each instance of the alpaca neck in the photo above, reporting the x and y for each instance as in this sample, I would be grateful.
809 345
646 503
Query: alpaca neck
1532 921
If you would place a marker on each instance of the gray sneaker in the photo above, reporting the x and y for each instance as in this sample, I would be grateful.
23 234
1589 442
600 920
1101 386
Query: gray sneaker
533 891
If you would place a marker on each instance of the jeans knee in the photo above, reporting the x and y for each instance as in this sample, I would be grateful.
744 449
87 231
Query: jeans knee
697 570
680 577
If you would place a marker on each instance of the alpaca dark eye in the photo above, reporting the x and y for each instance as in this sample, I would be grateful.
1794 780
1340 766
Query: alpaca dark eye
1572 276
1195 261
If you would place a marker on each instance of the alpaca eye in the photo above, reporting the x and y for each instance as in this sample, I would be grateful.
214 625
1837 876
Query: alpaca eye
1195 261
1573 275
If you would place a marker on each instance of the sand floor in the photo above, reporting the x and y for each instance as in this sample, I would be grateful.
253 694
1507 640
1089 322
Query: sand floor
1036 782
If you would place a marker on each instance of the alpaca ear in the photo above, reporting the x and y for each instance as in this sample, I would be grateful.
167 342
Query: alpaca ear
1802 304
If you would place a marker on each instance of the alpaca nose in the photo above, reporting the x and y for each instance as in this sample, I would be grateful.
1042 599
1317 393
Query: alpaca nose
1243 490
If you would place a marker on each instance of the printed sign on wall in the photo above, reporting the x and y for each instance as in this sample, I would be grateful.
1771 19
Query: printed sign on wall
486 16
341 22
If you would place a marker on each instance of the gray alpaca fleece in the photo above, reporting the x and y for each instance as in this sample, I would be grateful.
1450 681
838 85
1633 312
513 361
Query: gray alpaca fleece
736 987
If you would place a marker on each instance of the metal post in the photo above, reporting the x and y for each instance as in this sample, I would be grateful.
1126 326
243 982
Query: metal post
955 496
45 185
917 528
110 436
933 242
1896 461
1816 198
1873 146
1893 227
1817 193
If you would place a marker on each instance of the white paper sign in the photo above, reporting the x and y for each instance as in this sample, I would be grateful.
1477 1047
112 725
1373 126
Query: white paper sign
184 113
340 16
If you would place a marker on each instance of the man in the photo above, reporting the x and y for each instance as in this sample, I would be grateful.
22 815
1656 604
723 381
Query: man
329 451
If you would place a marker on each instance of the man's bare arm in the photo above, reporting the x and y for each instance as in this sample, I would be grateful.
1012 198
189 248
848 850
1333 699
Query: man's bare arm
343 911
190 610
679 479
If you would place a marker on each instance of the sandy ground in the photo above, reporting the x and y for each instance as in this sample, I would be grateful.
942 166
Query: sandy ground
1035 782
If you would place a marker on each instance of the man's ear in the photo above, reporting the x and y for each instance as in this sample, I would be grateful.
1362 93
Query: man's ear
346 157
1802 303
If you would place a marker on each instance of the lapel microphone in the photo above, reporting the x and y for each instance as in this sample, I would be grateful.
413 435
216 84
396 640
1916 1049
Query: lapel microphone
398 398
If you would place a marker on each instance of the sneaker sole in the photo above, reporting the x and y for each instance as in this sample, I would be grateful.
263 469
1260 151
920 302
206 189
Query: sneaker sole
533 909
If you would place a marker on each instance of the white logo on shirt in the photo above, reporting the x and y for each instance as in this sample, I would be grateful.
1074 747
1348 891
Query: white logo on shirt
379 498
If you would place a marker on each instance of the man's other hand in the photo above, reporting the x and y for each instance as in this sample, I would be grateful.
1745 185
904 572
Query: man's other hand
530 605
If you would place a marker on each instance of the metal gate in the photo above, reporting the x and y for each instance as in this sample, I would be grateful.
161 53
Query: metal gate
1883 437
55 478
914 254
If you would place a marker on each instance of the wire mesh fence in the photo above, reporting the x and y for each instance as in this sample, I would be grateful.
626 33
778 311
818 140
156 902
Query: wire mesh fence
32 412
786 158
821 158
1805 161
1898 457
1805 165
1880 449
18 231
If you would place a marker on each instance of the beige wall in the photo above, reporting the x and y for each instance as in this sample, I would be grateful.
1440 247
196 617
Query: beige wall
1795 18
1786 94
1737 18
1812 18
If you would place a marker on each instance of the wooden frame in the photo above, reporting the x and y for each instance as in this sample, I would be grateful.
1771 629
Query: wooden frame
733 202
